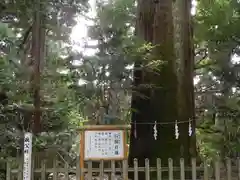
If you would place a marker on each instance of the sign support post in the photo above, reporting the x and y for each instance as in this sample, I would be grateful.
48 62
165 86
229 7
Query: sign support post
82 137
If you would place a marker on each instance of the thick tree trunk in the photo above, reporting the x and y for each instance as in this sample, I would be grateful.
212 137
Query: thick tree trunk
160 102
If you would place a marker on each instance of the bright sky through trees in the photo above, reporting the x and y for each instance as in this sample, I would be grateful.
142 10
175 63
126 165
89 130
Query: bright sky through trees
79 32
80 38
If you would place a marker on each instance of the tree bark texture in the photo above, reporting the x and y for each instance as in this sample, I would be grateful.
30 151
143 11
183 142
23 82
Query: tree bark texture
170 96
38 44
185 68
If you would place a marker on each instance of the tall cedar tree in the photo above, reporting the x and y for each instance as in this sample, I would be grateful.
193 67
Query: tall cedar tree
159 101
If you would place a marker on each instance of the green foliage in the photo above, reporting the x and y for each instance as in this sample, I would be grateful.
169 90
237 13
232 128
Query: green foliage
216 34
59 15
209 141
61 104
68 105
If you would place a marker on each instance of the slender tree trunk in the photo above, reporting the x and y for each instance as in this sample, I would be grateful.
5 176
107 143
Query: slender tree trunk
38 44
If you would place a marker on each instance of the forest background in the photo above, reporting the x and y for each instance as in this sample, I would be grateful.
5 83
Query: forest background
80 81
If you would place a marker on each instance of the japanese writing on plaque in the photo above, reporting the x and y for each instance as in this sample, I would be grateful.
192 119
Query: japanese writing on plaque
104 144
27 156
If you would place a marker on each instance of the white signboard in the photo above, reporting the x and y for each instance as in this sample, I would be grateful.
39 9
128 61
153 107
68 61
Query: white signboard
27 156
104 144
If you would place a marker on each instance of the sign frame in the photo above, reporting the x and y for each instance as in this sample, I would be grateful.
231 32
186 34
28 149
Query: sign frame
123 140
123 128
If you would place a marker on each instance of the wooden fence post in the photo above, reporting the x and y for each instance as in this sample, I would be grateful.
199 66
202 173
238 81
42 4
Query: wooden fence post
229 169
78 171
238 167
194 169
182 169
66 171
147 170
217 169
159 169
170 169
43 170
101 170
20 168
135 162
205 170
125 169
33 168
113 173
89 170
8 174
55 174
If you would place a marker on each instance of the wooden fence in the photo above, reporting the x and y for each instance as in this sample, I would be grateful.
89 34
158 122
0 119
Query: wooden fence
228 170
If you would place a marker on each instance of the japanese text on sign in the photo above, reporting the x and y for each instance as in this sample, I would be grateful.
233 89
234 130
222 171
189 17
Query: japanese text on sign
27 156
107 144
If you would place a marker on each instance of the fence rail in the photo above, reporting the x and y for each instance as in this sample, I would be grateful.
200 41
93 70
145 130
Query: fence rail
218 170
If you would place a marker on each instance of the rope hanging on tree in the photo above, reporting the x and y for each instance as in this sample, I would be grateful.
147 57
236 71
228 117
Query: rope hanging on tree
135 130
190 128
176 130
162 123
155 129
